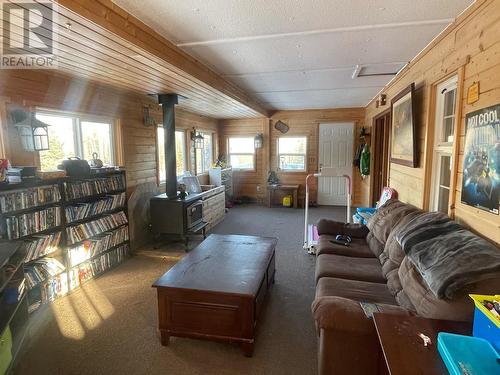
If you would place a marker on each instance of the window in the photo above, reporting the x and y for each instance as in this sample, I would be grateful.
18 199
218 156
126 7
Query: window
443 145
180 156
292 153
204 155
97 138
241 153
71 135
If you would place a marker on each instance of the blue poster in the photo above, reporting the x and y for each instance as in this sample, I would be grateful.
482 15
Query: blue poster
481 169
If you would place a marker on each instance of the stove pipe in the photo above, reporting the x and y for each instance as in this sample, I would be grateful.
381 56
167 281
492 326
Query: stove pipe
168 102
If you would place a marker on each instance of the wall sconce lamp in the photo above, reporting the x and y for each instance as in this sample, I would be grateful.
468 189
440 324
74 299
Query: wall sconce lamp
197 139
258 141
34 133
148 119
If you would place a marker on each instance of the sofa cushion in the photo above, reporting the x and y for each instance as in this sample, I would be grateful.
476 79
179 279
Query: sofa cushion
327 226
393 282
361 291
346 314
358 247
363 269
375 246
393 254
428 305
390 214
377 224
404 301
347 342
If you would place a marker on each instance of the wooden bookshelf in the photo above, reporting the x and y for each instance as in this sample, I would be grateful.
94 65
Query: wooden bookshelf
54 274
13 300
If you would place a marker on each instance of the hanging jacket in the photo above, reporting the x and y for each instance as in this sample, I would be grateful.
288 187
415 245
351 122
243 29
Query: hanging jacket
364 164
357 157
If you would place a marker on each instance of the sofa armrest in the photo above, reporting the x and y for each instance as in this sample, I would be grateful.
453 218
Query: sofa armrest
326 226
344 314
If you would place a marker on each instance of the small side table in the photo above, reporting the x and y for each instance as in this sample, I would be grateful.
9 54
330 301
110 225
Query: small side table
404 351
294 189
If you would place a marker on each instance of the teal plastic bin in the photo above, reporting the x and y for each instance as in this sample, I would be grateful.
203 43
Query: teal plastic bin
468 355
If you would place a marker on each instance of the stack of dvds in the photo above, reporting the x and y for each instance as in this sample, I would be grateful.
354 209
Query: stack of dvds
100 244
55 287
85 231
41 270
81 189
81 211
88 270
33 222
47 291
28 198
39 246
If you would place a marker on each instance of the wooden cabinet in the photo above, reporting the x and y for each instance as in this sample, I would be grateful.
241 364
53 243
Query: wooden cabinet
222 177
214 207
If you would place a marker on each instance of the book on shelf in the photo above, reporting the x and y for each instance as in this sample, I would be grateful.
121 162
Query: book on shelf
84 231
86 188
101 243
47 291
93 267
29 197
81 211
32 222
42 270
41 245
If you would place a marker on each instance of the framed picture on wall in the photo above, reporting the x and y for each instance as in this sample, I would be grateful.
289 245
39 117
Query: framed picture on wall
481 165
403 132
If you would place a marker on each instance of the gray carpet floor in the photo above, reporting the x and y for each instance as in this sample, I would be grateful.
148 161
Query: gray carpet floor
109 326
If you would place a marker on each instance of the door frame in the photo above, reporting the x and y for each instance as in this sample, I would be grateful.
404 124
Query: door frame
355 125
385 149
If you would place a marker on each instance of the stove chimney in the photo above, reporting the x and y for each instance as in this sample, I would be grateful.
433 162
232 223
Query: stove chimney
168 102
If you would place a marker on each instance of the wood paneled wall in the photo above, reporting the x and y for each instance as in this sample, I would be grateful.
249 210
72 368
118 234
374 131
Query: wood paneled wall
48 89
250 184
306 123
470 47
301 123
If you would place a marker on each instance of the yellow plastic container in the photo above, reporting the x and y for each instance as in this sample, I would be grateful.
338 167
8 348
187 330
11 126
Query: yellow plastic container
287 201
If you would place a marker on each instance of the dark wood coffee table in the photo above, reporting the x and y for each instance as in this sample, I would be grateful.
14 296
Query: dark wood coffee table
404 352
217 290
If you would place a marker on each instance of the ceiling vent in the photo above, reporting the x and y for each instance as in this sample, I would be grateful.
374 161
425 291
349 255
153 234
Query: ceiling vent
371 71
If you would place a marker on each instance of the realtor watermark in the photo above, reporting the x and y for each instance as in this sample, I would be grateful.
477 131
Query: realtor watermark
28 34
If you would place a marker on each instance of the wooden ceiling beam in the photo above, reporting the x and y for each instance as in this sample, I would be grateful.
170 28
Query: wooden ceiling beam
112 18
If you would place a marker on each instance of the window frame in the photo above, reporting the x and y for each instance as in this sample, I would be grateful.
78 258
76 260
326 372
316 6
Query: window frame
205 169
77 119
254 154
278 154
442 148
184 152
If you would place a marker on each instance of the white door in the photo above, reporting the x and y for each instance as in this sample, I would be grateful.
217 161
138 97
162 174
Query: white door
335 151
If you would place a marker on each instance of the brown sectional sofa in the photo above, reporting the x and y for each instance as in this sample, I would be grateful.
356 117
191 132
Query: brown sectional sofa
375 270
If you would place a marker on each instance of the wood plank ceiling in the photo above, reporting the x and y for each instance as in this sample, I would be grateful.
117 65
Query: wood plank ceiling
98 41
301 54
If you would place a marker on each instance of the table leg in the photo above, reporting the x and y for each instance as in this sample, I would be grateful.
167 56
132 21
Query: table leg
185 239
247 348
269 197
165 337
